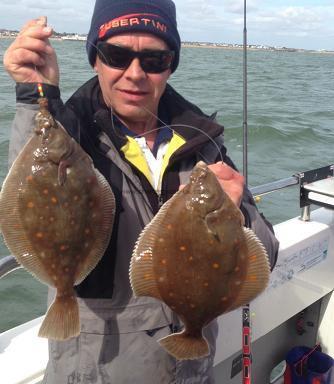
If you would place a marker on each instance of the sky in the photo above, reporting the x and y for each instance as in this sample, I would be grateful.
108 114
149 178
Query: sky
307 24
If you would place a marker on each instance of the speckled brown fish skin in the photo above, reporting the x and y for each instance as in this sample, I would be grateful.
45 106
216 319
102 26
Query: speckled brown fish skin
198 255
57 214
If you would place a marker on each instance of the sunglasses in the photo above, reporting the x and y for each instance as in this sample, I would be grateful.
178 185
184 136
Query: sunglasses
151 61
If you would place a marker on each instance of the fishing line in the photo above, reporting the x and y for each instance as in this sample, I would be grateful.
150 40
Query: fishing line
112 114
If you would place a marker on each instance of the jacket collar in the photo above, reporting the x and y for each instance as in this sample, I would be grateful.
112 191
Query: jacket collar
180 113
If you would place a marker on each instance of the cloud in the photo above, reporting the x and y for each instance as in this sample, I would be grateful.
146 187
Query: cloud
233 6
293 19
63 16
269 21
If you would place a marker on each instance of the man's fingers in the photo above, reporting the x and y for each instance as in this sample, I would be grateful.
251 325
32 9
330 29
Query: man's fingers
42 20
39 22
32 44
25 56
225 172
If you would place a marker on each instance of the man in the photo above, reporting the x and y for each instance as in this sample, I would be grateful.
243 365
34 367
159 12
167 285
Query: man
123 119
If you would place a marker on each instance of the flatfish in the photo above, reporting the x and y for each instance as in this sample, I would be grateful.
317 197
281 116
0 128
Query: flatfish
198 258
56 217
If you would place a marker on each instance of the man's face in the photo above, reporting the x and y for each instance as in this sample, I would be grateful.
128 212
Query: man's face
132 93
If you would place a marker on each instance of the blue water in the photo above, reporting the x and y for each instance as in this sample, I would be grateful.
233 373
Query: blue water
290 119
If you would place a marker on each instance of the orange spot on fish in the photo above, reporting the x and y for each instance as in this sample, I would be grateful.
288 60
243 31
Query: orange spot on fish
30 204
252 278
161 240
147 276
169 226
54 200
29 178
51 219
236 269
215 265
39 235
63 247
238 282
190 258
164 261
206 284
45 191
182 248
253 258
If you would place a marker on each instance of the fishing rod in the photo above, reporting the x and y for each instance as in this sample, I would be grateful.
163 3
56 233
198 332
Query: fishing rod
246 324
245 107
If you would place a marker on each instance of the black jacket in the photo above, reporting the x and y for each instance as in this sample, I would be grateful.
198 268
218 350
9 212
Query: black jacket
87 119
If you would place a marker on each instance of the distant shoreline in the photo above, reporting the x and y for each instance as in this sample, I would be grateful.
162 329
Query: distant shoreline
75 37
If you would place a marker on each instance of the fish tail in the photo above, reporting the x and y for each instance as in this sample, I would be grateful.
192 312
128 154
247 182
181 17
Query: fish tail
184 346
62 319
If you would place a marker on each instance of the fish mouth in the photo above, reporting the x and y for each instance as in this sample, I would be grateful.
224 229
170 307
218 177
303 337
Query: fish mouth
199 172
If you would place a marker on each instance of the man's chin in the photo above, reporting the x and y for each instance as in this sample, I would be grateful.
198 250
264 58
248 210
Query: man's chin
136 113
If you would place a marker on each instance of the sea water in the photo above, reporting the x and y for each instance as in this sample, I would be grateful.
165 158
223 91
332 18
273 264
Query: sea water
290 121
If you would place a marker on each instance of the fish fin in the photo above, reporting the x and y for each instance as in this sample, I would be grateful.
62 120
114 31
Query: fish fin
62 172
61 321
258 272
213 219
142 271
184 346
141 265
14 234
109 206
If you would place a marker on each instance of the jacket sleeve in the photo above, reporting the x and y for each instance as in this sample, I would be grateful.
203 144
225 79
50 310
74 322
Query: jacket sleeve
260 225
257 222
216 151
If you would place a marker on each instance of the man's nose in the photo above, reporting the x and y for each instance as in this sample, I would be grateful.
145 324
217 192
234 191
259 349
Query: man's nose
135 71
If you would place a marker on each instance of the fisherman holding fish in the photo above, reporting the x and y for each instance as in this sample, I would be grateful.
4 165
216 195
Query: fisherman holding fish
145 139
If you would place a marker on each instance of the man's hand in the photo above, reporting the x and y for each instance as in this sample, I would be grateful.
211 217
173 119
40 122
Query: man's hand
31 58
231 181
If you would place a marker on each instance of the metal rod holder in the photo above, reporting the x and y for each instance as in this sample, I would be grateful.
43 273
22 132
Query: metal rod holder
306 213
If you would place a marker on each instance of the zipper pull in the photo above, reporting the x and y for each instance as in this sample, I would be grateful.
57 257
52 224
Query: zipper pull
160 201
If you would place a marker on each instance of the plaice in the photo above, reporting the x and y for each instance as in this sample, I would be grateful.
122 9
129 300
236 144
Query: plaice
198 258
56 217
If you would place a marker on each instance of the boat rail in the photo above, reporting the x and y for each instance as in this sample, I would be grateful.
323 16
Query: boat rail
274 186
8 264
